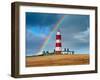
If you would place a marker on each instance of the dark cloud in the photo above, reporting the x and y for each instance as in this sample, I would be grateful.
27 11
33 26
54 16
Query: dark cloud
33 43
41 19
76 22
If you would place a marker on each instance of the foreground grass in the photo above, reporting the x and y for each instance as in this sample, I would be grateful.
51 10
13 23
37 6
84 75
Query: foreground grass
57 60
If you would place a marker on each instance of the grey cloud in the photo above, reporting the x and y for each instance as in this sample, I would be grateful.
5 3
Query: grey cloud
82 36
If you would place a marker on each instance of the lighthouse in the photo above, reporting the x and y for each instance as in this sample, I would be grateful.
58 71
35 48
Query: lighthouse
58 43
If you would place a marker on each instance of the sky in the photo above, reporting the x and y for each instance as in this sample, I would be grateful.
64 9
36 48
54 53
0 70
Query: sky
41 31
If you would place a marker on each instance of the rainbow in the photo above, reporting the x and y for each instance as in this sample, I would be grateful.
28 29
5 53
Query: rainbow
55 28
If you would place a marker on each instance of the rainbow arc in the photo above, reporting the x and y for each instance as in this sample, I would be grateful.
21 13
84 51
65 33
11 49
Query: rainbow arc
51 33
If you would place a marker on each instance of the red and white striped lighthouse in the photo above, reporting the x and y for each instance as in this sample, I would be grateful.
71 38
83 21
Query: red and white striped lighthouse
58 43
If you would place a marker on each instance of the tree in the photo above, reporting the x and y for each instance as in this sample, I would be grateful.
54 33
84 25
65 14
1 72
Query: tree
65 50
72 52
54 50
44 53
47 52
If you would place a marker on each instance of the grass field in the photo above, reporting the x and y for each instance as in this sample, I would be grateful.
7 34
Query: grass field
57 60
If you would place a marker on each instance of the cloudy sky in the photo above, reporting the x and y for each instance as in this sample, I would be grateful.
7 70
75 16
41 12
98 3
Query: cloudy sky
41 30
